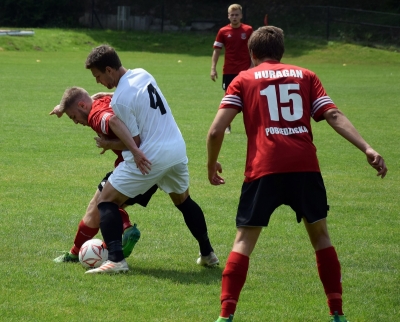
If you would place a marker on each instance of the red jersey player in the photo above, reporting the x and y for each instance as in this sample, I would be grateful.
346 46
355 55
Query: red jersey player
278 102
98 116
233 37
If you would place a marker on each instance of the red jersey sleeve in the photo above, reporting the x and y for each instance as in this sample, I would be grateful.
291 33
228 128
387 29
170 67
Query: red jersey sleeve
99 118
219 40
232 98
100 115
320 101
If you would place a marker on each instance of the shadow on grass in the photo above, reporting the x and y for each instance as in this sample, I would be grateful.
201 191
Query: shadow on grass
189 43
297 47
203 276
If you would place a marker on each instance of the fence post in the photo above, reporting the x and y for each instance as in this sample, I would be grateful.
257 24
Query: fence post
95 14
328 23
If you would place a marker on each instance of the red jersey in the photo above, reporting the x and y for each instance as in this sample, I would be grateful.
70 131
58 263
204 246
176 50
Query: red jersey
237 57
278 101
98 119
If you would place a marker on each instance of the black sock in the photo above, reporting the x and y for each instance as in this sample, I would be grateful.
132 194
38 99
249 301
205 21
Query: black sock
195 221
111 229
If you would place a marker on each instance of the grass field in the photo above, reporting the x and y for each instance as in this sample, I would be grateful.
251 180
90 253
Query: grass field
50 169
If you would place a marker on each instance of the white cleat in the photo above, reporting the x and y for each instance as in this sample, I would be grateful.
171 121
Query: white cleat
110 268
210 260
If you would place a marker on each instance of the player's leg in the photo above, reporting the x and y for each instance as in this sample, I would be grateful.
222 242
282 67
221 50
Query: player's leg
258 200
90 225
313 206
235 272
109 203
126 223
122 184
131 233
195 221
88 228
111 229
175 182
328 266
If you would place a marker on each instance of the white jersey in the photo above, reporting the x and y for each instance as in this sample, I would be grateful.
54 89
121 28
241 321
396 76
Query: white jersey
139 103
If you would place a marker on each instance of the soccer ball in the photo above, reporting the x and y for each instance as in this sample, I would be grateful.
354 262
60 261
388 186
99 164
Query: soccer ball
93 253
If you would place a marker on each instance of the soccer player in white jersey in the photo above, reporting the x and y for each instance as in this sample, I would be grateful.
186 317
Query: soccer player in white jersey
161 159
278 101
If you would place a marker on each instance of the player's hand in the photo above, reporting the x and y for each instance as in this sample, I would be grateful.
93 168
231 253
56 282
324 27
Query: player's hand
56 111
213 75
101 94
101 143
213 176
376 161
143 164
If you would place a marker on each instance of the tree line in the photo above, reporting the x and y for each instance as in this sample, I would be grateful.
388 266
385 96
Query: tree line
66 13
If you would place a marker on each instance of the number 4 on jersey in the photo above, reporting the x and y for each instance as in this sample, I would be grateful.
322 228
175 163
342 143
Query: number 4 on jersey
158 102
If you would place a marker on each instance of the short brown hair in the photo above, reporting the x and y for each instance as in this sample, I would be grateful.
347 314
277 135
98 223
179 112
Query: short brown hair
101 57
267 42
71 97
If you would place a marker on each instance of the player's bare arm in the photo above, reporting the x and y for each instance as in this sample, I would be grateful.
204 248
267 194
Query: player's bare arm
342 125
106 143
121 131
214 61
215 138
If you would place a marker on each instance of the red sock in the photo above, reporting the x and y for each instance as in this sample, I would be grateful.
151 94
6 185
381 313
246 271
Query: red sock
329 273
83 234
126 223
233 279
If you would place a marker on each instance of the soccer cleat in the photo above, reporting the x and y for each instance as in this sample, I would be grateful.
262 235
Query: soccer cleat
338 318
67 258
210 260
221 319
110 268
129 239
228 130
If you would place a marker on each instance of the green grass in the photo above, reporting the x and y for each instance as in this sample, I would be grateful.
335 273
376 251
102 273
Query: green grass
50 169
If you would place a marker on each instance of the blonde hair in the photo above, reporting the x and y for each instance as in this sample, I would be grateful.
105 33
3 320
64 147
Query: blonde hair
234 7
72 96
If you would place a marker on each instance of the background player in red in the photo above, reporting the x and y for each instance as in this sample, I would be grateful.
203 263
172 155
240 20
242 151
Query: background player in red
100 117
278 102
233 37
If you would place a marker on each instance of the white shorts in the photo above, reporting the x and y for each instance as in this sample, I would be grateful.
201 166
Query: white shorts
132 183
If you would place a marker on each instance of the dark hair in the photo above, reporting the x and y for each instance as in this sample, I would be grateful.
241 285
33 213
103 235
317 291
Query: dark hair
267 42
101 57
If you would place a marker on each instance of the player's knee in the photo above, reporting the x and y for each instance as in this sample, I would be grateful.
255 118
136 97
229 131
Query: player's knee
179 198
92 217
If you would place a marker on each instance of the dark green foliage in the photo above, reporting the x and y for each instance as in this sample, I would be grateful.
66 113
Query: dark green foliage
364 21
44 13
